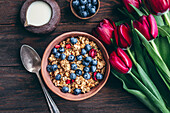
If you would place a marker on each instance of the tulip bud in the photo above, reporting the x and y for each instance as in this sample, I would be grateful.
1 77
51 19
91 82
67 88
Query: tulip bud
136 3
147 26
104 31
157 7
120 61
122 35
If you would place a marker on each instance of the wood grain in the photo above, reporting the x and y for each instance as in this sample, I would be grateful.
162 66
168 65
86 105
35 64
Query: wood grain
20 91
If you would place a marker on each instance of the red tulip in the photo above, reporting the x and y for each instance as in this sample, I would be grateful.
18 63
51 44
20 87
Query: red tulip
136 3
104 31
122 35
147 26
120 61
157 7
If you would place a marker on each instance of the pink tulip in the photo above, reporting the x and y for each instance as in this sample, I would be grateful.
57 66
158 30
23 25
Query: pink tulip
120 61
122 35
104 31
147 26
136 3
157 7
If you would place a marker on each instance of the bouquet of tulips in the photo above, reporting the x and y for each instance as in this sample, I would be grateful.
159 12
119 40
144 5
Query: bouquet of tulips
139 47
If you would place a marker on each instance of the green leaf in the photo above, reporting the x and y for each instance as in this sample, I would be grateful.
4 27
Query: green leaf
164 49
148 82
158 61
164 31
126 13
137 10
155 77
159 20
137 45
134 92
150 96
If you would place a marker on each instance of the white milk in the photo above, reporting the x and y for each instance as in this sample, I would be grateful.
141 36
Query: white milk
38 13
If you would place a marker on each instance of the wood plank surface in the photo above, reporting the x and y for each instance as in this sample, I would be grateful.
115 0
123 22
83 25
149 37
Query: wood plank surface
20 91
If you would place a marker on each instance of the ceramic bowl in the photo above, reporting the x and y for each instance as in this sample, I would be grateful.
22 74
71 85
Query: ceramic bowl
84 18
56 90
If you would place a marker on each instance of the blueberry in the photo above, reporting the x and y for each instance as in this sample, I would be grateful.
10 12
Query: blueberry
93 69
87 47
79 57
73 76
88 14
63 56
83 51
83 13
71 58
86 76
54 50
58 77
83 2
99 76
94 62
94 7
94 2
92 11
88 59
73 40
85 63
88 6
86 69
77 91
61 49
65 89
78 72
57 55
73 66
89 1
54 67
82 7
75 3
49 68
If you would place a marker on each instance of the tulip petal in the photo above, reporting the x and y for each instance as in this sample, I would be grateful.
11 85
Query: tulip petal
153 26
135 3
116 36
143 28
124 36
124 57
117 63
157 6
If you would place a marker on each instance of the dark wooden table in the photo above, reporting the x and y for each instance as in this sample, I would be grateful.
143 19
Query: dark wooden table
20 90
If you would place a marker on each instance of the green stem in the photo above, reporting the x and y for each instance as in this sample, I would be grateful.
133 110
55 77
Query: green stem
133 59
155 48
167 20
155 101
111 40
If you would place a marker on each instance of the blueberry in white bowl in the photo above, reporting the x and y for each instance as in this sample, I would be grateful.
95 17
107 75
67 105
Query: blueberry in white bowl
84 9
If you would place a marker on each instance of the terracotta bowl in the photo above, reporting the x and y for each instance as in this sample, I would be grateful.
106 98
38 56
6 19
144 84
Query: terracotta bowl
56 90
74 12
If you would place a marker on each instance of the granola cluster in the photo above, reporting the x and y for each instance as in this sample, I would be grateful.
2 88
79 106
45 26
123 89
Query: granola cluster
76 65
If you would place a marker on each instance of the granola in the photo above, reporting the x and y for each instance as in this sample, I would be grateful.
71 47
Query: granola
76 65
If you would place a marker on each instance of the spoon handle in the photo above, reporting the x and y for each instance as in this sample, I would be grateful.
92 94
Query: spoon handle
52 106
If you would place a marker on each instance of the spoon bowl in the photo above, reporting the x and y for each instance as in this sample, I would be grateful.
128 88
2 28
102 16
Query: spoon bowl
30 59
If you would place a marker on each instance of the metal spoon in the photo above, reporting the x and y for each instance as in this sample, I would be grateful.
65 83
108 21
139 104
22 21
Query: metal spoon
32 63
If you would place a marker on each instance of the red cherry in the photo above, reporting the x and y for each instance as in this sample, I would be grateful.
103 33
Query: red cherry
57 46
72 81
68 46
67 81
92 53
94 76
